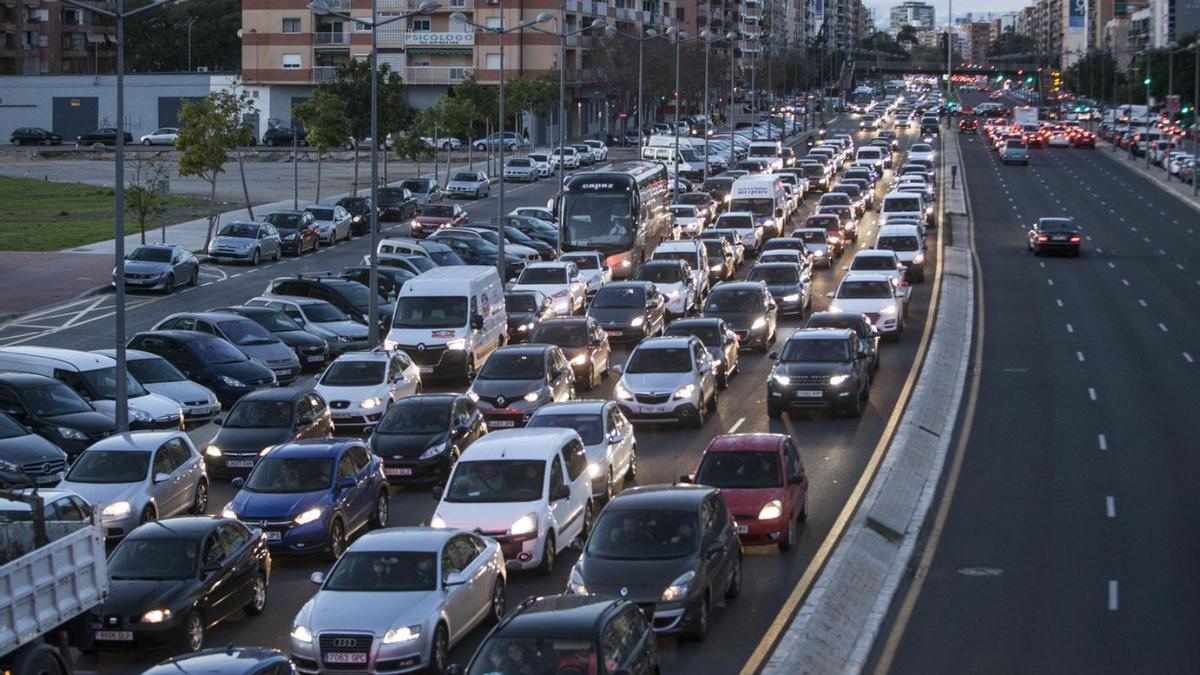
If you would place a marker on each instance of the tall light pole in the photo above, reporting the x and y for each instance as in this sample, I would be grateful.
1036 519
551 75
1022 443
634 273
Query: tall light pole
732 37
650 34
189 32
323 7
1195 114
119 14
708 38
459 17
679 37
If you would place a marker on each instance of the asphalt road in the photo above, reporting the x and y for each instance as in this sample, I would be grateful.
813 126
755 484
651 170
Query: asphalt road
835 452
1070 542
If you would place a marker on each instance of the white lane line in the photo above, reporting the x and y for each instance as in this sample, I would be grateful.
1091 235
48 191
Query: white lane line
1146 239
1110 507
207 283
1188 357
1103 440
1041 264
1125 281
736 425
1161 252
1079 355
1112 595
234 276
1060 301
1163 327
1179 265
1112 266
1142 302
1092 393
1070 328
1050 281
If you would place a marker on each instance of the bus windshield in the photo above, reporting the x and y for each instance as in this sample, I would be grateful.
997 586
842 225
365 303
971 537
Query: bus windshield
597 219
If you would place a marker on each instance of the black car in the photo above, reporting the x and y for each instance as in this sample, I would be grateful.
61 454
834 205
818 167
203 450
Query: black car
819 368
262 419
514 235
310 349
102 136
284 136
34 136
480 252
629 310
359 209
583 342
719 188
568 634
53 411
671 549
788 285
1054 235
868 335
721 261
421 437
207 360
718 338
534 228
298 231
170 581
26 458
388 279
526 310
228 660
351 297
790 244
413 264
930 127
748 308
396 203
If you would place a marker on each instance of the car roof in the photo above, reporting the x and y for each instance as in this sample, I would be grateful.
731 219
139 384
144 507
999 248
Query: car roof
674 497
831 316
524 349
275 394
208 316
182 527
230 659
593 406
866 275
19 379
746 442
422 539
519 444
557 616
321 447
738 286
821 334
135 441
666 342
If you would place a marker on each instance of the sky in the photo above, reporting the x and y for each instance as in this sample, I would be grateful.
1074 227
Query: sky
883 8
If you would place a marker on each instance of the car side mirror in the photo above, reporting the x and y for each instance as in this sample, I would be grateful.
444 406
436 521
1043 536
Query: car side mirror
454 669
437 492
454 579
347 483
796 479
162 477
687 478
830 294
212 567
477 322
615 436
317 578
774 356
238 483
560 492
307 418
618 369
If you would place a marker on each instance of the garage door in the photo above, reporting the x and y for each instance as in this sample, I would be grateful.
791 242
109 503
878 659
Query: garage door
168 109
75 116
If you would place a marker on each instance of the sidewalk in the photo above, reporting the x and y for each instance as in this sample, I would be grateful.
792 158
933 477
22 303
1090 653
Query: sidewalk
1154 173
41 279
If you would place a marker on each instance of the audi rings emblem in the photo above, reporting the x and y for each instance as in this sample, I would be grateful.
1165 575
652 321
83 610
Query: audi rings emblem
345 642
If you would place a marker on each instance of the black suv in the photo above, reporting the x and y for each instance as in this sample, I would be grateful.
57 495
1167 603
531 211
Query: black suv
568 634
819 368
397 204
868 335
359 209
34 136
284 136
102 136
349 296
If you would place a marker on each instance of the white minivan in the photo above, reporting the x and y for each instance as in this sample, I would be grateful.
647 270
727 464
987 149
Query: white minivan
908 244
763 196
449 320
905 205
528 489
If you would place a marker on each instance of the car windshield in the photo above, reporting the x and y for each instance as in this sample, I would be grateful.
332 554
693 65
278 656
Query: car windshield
524 163
683 211
543 275
240 230
662 274
811 236
154 371
417 186
734 300
246 333
150 254
430 312
53 399
695 198
1056 226
384 572
520 302
284 221
9 428
321 214
774 275
835 351
715 249
759 207
518 365
920 148
342 373
898 243
110 466
417 417
1014 143
438 211
873 262
744 470
391 193
736 222
609 297
286 475
862 290
216 351
834 199
565 334
465 178
584 262
102 383
256 414
153 559
589 425
273 321
501 480
660 360
597 219
643 535
708 334
534 656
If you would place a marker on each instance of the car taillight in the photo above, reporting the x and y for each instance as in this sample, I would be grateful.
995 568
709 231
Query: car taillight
1075 239
1044 238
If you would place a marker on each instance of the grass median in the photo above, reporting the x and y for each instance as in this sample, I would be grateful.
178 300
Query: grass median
38 215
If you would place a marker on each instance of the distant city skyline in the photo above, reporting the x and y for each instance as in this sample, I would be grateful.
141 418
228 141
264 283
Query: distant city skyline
882 8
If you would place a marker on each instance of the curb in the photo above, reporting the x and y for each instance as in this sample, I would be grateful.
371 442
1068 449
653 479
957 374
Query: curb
1138 166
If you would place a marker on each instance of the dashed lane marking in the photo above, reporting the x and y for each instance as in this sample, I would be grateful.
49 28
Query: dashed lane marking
1092 393
1188 357
1112 595
1103 441
1079 355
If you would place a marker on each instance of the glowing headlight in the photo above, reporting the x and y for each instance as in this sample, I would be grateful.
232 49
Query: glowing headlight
781 379
835 380
533 396
457 344
579 360
473 396
139 415
156 616
229 513
524 525
308 516
622 392
678 588
437 521
370 403
919 259
301 634
771 510
524 327
264 451
575 583
637 321
759 323
71 434
230 382
402 634
435 450
888 311
792 297
685 391
212 451
117 510
929 209
594 469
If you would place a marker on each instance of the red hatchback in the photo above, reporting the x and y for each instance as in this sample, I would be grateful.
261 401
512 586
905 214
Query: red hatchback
763 480
437 216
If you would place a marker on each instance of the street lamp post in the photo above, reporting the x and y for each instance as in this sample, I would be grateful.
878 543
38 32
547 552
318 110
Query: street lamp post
189 33
650 34
679 37
732 37
459 17
119 14
323 7
708 38
1195 115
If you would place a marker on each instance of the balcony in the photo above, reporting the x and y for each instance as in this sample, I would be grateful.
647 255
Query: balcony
324 73
331 38
432 39
340 5
435 74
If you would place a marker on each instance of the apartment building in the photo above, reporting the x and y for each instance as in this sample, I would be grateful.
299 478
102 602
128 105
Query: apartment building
48 37
912 13
979 36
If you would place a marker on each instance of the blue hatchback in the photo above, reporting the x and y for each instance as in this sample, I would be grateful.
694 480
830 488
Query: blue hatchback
311 496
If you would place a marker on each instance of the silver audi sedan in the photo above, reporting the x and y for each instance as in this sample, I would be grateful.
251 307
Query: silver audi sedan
397 600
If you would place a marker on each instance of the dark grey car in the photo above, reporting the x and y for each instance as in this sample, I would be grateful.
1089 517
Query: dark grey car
160 267
247 335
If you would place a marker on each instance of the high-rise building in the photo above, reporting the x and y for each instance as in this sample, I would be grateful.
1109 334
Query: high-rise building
979 36
913 13
48 37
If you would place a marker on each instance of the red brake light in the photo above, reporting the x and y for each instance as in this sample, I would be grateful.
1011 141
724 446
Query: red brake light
1075 239
1044 237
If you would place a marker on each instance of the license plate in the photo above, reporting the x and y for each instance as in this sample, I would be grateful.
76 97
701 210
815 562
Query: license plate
501 424
1059 238
809 393
52 478
240 463
115 635
425 370
341 657
743 529
397 472
646 409
274 536
314 359
344 416
614 333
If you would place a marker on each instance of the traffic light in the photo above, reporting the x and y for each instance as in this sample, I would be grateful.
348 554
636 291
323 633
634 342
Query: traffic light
999 78
1146 82
1029 80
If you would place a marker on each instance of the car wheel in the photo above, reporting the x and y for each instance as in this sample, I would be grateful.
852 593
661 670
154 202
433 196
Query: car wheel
270 142
631 473
498 604
803 514
170 285
439 651
789 538
200 500
379 517
699 628
587 526
337 539
258 597
347 237
469 372
774 412
191 636
700 416
591 377
195 280
854 408
712 402
254 260
148 515
735 583
548 553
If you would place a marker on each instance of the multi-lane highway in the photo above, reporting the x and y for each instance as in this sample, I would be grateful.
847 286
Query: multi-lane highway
835 450
1065 541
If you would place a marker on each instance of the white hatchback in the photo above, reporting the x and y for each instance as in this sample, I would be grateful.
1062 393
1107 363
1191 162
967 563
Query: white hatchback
361 386
607 437
592 268
559 281
876 295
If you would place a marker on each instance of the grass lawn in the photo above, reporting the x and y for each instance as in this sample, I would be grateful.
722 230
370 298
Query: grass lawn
37 215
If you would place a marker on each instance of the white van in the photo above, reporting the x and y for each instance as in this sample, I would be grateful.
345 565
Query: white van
905 205
908 244
449 320
691 251
873 155
94 377
402 247
691 162
771 151
763 196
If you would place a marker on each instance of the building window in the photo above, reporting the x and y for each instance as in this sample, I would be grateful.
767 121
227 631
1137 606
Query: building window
491 61
291 61
421 63
421 25
492 22
680 15
291 25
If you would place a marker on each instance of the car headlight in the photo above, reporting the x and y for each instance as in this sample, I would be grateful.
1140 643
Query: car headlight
533 396
678 588
402 634
139 415
228 512
156 616
575 583
6 465
791 297
212 451
769 222
888 311
595 470
622 392
370 403
835 380
525 524
759 323
524 327
301 634
579 360
435 450
308 516
456 345
637 321
685 391
771 510
919 259
473 396
231 382
781 379
116 510
71 434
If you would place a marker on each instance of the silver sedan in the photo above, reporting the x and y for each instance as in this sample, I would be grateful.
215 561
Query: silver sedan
332 221
398 599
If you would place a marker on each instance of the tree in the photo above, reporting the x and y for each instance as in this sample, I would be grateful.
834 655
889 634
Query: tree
203 144
483 101
145 196
324 117
233 105
158 41
1011 42
352 83
907 37
412 147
